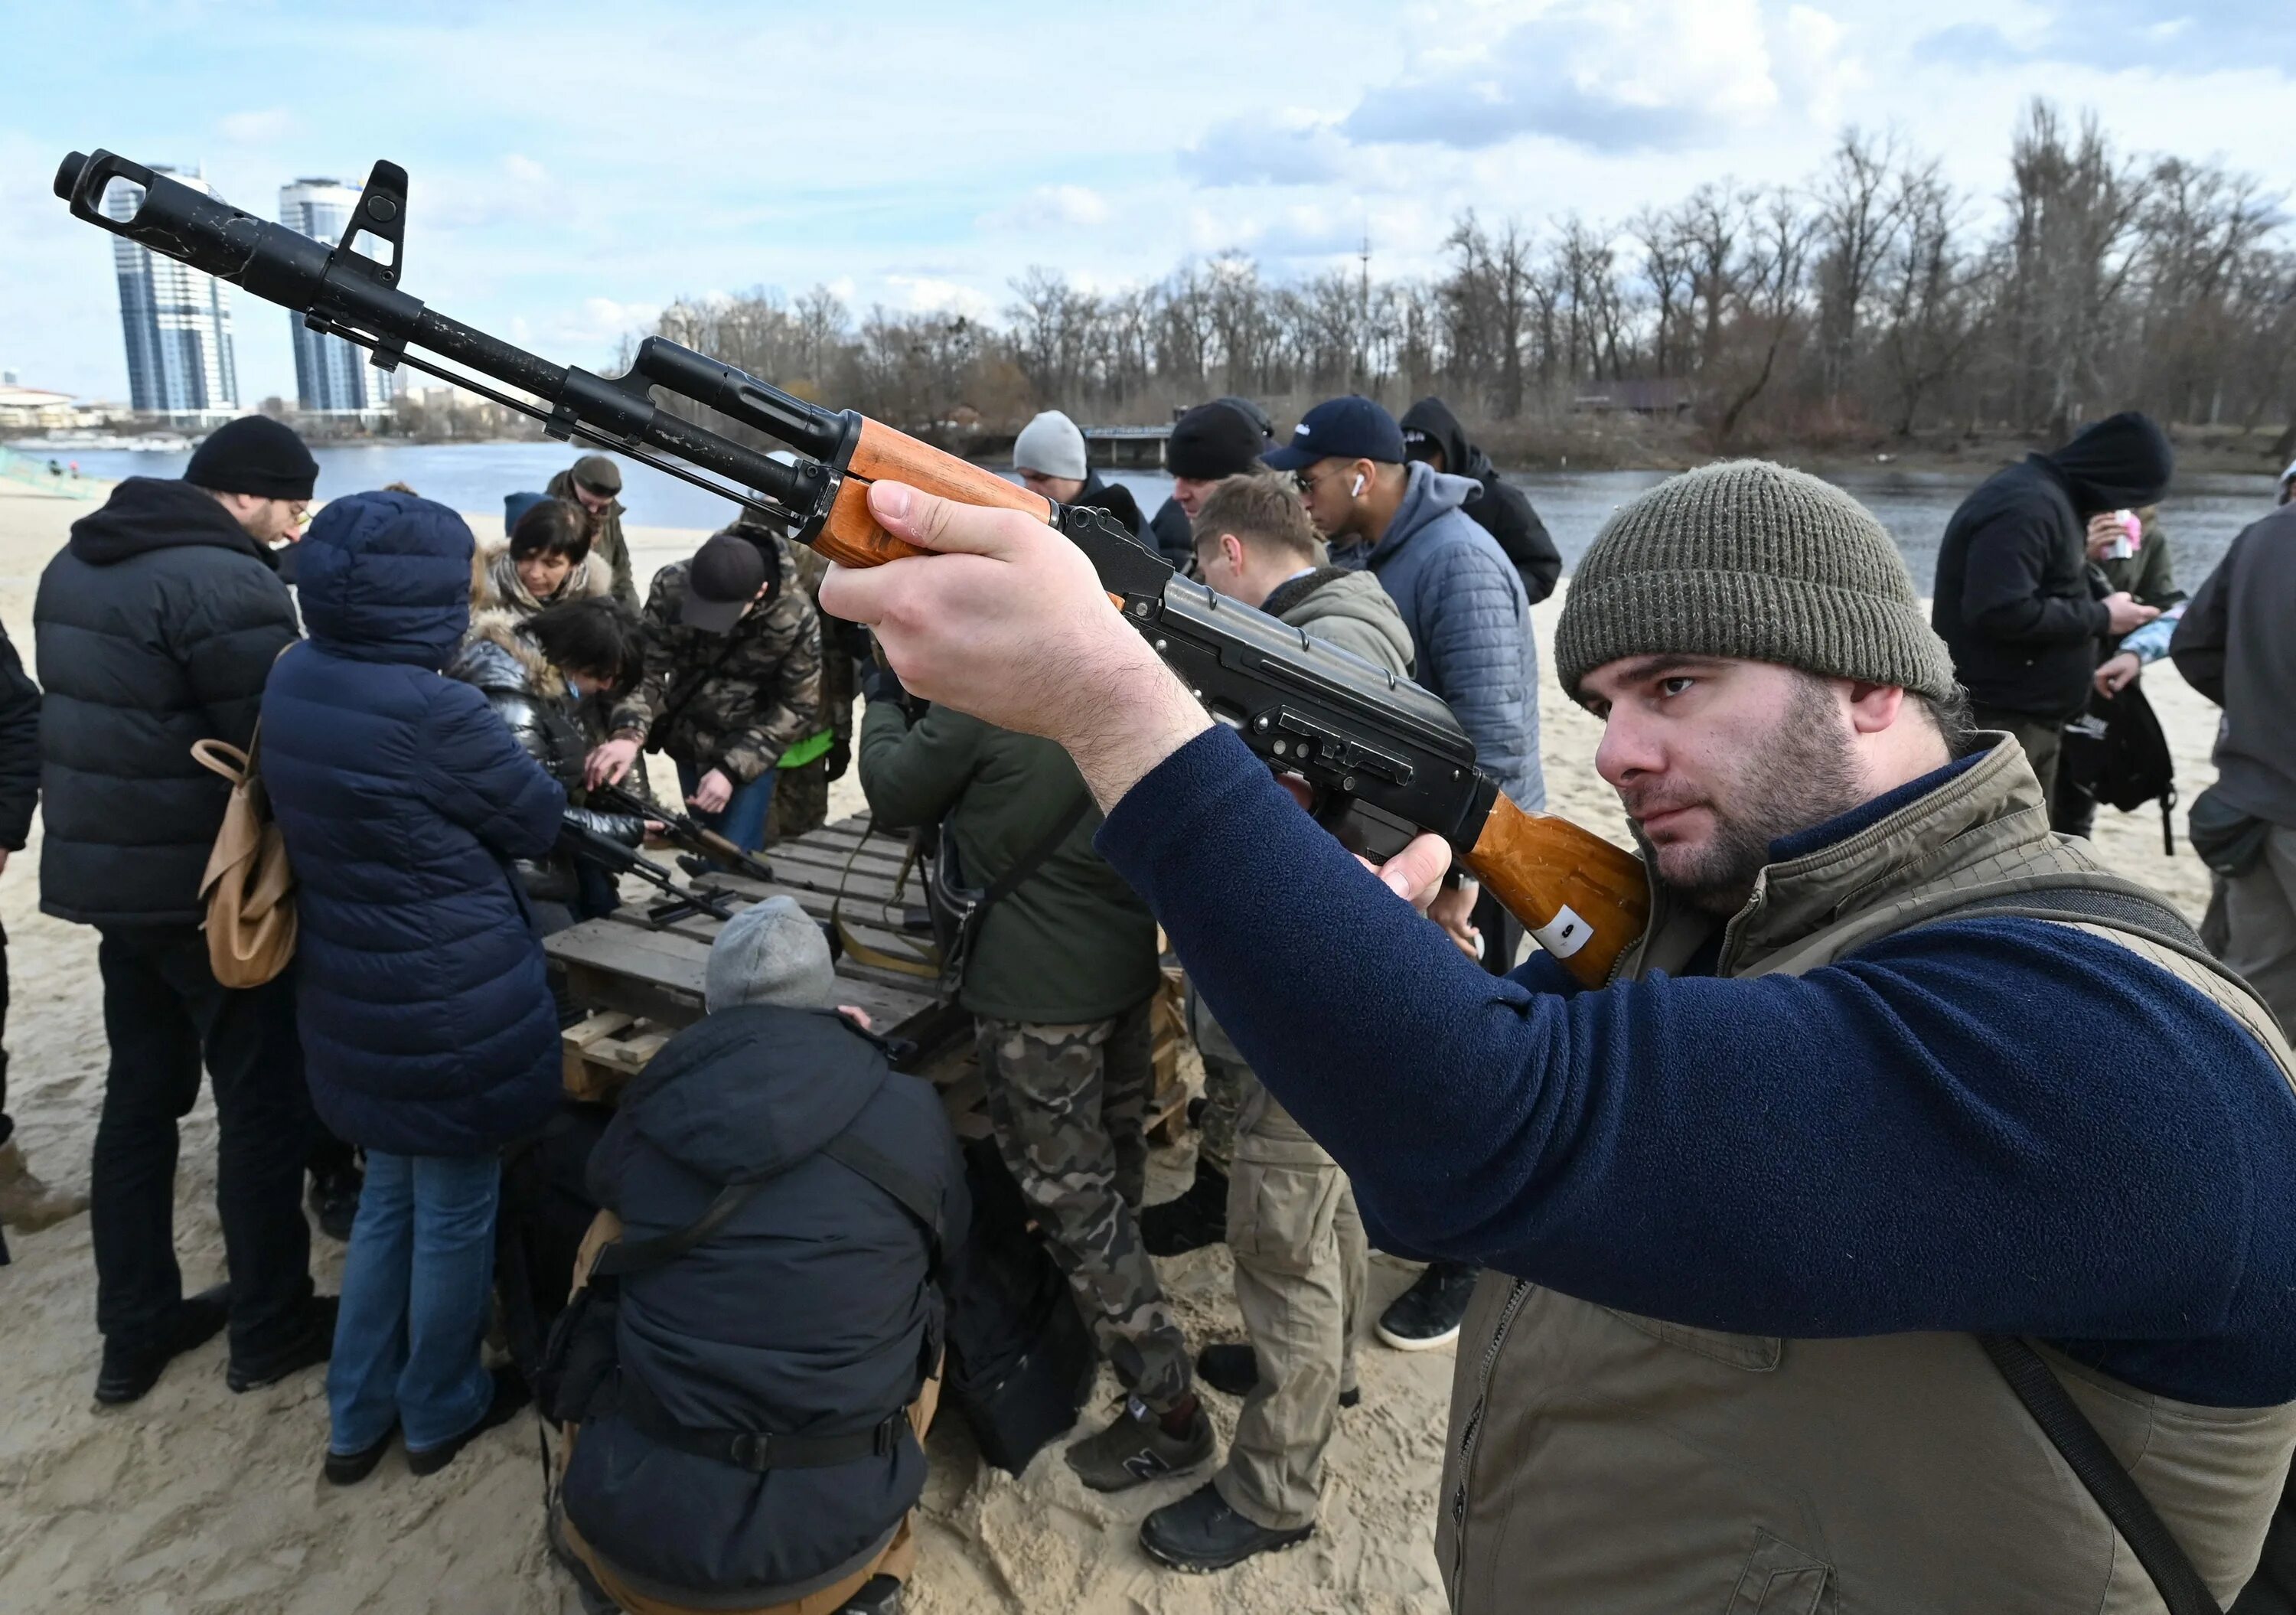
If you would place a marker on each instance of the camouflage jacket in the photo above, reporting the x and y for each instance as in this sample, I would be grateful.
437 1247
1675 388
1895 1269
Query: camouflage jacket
606 541
841 642
734 701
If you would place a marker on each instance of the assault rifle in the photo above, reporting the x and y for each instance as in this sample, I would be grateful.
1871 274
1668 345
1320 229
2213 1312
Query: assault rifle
681 829
1382 758
680 901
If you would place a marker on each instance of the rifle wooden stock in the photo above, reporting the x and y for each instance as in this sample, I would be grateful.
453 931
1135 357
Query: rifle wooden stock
851 536
1583 900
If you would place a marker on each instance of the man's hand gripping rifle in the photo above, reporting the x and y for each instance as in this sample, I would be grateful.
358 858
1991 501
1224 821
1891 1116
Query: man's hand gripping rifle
1382 760
680 829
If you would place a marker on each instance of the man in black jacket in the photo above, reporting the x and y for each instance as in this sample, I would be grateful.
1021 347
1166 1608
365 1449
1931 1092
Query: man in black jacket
1209 443
1432 433
157 626
25 1201
2017 603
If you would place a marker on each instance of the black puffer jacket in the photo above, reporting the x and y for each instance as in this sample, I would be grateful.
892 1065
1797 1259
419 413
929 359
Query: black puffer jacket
19 747
155 627
1502 509
531 697
1173 536
1117 500
2017 601
812 1313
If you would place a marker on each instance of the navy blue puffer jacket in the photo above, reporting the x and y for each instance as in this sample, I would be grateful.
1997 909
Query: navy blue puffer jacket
428 1025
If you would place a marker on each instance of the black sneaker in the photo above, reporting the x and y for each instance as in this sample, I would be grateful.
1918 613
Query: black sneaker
129 1371
1201 1533
348 1469
1134 1450
313 1345
334 1198
1427 1315
1189 1221
1233 1368
510 1394
879 1595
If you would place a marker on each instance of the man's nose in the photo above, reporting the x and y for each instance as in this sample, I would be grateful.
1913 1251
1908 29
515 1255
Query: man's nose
1628 750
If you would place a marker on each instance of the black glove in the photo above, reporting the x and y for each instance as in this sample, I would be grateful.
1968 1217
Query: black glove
879 682
840 757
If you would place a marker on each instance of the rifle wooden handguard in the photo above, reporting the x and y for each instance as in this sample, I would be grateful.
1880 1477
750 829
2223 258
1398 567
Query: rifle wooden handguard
1581 898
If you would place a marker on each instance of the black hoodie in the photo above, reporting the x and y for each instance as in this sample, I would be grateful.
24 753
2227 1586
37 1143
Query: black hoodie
1503 510
155 627
2017 601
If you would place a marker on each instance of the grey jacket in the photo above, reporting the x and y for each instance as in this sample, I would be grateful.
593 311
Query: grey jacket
1346 608
1469 624
2236 646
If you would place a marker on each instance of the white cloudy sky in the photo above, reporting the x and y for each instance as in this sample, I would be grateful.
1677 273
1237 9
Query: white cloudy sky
574 165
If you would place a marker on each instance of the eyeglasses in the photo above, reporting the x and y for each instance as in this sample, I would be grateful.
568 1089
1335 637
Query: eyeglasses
1305 482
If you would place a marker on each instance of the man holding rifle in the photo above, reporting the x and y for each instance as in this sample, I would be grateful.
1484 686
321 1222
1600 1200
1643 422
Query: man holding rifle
1762 1217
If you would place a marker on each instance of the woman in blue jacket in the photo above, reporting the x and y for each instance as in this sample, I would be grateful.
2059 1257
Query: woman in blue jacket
426 1016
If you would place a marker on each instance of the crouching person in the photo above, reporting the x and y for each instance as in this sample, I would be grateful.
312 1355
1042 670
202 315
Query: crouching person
754 1361
427 1023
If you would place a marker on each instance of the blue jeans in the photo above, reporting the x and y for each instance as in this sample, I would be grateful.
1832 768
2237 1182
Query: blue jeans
743 822
415 1285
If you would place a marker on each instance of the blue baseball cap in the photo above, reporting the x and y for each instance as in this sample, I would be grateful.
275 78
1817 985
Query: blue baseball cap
1351 427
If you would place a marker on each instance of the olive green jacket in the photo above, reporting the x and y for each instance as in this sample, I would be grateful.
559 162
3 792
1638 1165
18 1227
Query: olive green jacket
606 541
1070 944
1604 1463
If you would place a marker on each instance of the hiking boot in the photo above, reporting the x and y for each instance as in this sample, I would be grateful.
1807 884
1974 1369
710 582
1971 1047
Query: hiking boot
25 1201
334 1197
1190 1221
130 1369
1136 1448
312 1344
1427 1315
879 1595
510 1394
1201 1533
348 1469
1233 1368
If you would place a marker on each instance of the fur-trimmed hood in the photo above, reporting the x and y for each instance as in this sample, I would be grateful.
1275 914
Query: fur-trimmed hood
495 584
497 655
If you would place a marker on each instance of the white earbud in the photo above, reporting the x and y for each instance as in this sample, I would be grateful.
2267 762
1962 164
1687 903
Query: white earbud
1356 491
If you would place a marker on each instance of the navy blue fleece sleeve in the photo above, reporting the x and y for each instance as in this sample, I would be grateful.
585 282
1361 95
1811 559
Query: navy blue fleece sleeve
1996 1124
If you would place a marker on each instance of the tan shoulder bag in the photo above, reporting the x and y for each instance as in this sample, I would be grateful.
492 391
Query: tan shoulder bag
248 890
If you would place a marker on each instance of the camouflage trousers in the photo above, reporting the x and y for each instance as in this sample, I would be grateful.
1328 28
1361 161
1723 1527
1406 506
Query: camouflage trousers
800 800
1069 1104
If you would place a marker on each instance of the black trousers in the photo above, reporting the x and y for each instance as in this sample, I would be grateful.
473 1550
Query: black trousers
7 1122
165 1013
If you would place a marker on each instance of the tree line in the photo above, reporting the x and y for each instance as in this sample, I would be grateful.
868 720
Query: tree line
1875 298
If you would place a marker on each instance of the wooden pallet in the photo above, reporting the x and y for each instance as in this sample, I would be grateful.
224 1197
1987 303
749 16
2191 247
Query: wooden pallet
603 1050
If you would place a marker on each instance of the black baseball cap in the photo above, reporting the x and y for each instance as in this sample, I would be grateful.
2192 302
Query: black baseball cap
1351 427
725 575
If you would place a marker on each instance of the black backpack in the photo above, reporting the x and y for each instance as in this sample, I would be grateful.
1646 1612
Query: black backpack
546 1211
1020 1360
2117 753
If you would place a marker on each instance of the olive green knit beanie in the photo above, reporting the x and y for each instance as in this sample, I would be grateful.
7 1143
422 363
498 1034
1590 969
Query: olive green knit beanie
1748 559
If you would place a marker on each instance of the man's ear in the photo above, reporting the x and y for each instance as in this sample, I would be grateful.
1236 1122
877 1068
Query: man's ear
1232 551
1873 707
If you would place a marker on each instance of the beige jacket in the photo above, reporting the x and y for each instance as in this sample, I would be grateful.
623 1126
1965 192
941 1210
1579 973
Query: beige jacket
1604 1462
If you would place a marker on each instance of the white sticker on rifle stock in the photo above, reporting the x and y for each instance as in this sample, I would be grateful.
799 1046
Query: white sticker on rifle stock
1564 935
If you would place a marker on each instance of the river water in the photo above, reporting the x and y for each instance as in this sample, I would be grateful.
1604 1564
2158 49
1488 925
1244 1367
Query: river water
2200 517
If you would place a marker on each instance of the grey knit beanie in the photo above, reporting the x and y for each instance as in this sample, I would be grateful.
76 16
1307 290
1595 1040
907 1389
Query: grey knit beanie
1747 559
770 953
1050 446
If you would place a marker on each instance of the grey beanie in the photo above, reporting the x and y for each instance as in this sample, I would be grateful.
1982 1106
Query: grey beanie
1050 446
1750 559
770 953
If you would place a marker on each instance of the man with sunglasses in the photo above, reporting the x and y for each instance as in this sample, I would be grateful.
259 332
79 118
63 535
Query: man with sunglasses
1469 621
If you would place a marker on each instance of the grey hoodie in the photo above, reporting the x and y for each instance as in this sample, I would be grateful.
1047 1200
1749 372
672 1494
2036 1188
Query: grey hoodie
1469 624
1346 609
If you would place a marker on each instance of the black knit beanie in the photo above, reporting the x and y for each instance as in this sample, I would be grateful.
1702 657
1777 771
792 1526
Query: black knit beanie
1750 559
1211 441
254 455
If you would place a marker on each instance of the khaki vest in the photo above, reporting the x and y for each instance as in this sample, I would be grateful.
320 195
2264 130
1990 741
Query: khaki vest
1604 1462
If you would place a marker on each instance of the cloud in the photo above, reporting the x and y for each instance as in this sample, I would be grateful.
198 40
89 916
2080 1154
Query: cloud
1287 148
924 294
252 128
525 169
2127 35
1618 77
602 322
1050 208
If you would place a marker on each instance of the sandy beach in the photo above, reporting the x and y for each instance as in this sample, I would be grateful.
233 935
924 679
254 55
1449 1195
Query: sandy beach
197 1500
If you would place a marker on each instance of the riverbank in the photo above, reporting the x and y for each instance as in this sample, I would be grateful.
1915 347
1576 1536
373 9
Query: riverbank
197 1501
